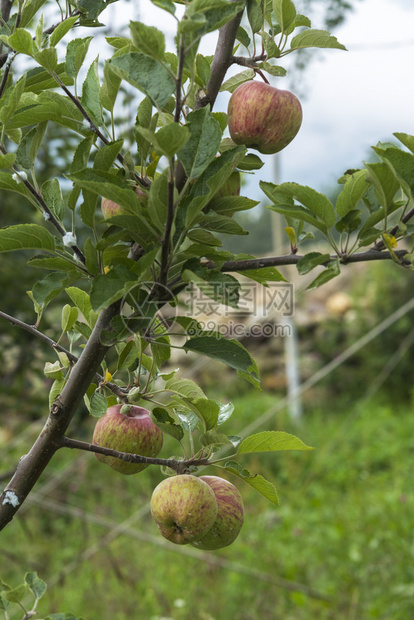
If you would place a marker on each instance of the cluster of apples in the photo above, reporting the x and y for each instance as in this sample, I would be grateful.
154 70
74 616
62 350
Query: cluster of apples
206 512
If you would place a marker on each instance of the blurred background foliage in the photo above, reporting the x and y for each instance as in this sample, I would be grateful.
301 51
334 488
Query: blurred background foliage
339 546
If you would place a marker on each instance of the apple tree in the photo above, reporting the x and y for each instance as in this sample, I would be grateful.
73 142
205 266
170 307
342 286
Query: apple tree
166 189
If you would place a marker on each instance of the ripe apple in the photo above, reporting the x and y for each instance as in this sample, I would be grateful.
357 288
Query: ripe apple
184 508
133 432
263 117
230 515
110 208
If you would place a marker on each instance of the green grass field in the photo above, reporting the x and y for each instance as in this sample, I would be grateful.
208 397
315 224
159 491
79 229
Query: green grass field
339 546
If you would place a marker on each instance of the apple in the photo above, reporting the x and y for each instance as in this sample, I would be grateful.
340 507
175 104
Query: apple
132 431
263 117
230 515
184 508
110 208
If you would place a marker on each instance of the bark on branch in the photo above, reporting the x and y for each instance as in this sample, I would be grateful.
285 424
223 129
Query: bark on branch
32 465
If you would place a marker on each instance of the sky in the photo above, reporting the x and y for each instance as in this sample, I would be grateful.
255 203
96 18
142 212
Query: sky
352 99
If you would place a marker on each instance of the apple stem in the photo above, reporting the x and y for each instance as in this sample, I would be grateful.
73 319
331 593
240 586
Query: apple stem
262 75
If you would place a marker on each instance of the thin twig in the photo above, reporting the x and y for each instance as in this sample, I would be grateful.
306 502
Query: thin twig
407 217
293 259
178 466
118 391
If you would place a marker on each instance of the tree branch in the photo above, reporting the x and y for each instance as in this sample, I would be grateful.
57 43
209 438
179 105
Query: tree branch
179 466
115 389
222 60
94 128
32 465
292 259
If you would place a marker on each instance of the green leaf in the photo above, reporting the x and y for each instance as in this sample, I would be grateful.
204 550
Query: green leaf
69 317
166 423
109 88
30 9
81 300
250 162
285 13
354 188
26 237
62 29
270 46
7 160
243 37
106 155
47 58
204 142
207 410
112 286
271 441
310 261
221 224
105 184
13 96
203 69
216 13
232 204
161 349
406 139
255 15
55 263
213 438
207 185
236 80
98 405
53 371
275 70
402 164
230 352
148 40
15 595
168 140
266 488
158 201
50 286
62 616
29 146
76 51
53 197
350 222
186 388
146 74
332 270
384 181
315 38
165 5
225 413
90 94
319 205
21 41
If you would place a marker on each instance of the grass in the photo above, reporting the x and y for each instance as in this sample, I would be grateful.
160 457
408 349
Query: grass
343 530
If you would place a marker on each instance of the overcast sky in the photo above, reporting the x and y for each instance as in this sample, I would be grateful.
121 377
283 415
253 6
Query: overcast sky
353 99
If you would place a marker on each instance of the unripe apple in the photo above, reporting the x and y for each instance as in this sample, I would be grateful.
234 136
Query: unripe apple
133 432
184 508
110 208
230 515
263 117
